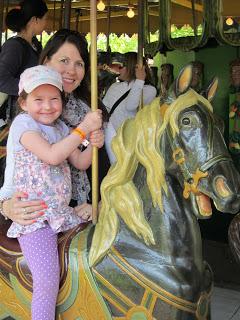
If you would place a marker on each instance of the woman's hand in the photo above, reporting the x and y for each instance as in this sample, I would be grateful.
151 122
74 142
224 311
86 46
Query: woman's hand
140 72
23 212
97 138
84 211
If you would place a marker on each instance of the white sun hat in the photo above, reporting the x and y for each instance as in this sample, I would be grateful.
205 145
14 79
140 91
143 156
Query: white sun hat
34 77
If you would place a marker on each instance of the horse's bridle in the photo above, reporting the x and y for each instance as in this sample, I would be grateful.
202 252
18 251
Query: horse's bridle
191 179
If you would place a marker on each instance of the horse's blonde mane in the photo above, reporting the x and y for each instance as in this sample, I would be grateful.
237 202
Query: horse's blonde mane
137 141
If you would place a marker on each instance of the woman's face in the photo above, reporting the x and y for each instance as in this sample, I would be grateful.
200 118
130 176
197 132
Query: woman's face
69 63
123 74
40 24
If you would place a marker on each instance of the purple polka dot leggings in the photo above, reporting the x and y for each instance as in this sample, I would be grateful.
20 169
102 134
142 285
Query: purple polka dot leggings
41 253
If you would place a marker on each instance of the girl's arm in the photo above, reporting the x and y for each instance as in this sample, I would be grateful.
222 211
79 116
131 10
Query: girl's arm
58 152
83 159
53 154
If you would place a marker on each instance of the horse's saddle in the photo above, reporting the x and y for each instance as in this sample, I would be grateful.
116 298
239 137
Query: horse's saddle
13 262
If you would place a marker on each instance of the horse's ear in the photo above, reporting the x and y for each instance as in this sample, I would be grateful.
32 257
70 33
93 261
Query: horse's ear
211 89
183 80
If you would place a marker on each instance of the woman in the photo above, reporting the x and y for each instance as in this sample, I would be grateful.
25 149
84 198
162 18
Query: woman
67 53
124 97
18 53
22 51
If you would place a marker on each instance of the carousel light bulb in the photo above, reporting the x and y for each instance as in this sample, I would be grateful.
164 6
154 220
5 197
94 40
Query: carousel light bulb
101 5
130 13
229 21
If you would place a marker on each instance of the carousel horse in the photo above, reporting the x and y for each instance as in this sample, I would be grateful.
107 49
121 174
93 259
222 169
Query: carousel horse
234 237
143 260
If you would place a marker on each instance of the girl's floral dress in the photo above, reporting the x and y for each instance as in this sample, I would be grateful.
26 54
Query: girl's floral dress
40 180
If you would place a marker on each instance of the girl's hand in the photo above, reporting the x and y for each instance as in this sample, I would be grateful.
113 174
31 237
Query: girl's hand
97 138
92 121
23 212
84 211
140 72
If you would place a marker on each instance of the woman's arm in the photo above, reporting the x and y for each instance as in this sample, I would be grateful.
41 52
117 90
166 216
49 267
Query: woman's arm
23 212
149 93
81 159
132 101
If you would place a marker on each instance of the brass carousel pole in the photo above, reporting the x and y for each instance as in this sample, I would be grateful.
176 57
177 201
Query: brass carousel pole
108 25
140 38
67 14
94 103
1 19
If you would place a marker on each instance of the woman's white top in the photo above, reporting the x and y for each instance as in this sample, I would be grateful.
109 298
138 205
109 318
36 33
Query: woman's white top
128 107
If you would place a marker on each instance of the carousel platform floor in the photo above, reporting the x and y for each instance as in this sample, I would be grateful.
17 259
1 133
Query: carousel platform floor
225 304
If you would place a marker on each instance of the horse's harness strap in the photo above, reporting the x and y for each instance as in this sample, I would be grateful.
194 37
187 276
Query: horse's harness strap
156 290
211 162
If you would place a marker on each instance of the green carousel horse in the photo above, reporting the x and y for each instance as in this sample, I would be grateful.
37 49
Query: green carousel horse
143 260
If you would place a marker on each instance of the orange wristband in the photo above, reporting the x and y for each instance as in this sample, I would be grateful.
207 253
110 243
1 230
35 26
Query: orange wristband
80 132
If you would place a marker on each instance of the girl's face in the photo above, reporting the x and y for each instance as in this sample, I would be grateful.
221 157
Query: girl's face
69 63
43 104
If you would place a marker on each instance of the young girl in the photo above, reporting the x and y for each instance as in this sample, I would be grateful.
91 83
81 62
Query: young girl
18 53
41 143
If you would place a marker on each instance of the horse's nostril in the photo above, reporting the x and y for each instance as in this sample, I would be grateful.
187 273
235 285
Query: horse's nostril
222 187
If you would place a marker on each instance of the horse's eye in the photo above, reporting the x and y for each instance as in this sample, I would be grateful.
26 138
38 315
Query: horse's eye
185 121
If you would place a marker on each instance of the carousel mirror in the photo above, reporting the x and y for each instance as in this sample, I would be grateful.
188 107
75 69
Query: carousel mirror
186 23
181 24
152 25
230 22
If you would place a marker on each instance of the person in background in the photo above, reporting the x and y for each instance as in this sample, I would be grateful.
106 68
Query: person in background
21 51
123 98
197 76
67 53
166 80
18 53
41 144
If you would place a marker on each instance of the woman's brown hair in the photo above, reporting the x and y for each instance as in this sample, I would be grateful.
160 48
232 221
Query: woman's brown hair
131 62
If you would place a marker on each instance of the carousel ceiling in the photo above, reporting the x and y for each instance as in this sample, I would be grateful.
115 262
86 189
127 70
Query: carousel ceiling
210 19
183 12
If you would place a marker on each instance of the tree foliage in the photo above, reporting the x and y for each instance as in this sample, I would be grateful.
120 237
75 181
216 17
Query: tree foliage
125 43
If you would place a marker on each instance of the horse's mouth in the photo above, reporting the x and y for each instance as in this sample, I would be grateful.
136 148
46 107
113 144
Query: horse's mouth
204 204
222 192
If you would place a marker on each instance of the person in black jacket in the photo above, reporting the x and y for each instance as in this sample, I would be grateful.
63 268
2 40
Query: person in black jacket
21 51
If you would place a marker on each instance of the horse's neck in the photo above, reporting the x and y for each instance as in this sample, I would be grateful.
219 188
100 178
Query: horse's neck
176 230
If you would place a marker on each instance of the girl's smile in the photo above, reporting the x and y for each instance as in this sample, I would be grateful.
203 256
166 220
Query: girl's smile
44 104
